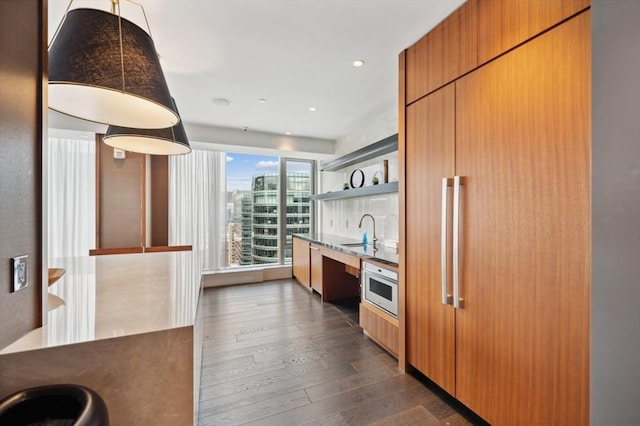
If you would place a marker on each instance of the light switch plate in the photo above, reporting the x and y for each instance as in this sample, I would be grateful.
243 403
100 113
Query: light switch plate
20 278
119 154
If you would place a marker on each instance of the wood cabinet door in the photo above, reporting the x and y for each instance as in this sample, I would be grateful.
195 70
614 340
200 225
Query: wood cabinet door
429 158
301 261
503 24
316 268
444 54
523 150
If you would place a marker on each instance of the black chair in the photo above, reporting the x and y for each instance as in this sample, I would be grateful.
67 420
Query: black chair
54 405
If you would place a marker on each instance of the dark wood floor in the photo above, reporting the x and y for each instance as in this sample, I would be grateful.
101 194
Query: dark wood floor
274 354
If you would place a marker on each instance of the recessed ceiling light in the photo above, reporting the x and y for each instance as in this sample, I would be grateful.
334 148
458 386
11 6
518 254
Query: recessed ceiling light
287 133
313 109
262 101
221 101
358 63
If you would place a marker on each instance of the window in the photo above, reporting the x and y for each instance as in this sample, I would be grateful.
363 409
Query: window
267 202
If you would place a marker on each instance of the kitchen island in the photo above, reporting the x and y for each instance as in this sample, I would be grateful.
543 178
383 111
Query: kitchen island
126 326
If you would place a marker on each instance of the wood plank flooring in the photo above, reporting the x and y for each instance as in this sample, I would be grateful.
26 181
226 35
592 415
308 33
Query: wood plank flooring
274 354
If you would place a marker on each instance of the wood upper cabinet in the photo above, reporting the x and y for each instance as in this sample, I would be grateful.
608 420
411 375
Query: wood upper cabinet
430 133
503 24
444 54
301 261
517 133
478 31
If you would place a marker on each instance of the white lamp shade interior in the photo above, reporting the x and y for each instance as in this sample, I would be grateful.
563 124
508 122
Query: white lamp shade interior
109 106
146 145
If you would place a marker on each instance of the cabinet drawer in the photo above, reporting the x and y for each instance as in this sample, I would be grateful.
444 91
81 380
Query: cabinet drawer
380 327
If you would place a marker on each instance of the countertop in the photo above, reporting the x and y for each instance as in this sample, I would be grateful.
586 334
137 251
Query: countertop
102 297
337 242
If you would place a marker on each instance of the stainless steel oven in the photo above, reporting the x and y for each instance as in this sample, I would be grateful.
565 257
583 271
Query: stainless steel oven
380 287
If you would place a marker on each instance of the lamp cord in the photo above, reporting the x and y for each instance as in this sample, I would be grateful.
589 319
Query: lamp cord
116 4
60 24
145 17
113 7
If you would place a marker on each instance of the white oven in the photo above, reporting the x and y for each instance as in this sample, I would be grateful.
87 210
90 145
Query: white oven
380 287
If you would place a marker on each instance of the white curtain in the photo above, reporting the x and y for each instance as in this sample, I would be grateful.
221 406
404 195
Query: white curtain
197 204
71 182
72 197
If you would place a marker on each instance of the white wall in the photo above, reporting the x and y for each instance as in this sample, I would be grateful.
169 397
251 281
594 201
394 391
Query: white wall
341 217
220 139
615 286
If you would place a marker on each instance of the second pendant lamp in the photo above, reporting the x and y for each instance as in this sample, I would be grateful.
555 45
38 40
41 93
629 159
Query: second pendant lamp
169 141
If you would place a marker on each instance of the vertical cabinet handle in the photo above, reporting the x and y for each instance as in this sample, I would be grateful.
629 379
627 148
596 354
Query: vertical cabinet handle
457 184
446 183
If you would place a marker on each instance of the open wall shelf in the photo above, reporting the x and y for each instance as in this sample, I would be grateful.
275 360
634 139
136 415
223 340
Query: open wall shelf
383 188
376 149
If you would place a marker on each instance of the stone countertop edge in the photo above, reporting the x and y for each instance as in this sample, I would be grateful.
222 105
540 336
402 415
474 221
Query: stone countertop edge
336 242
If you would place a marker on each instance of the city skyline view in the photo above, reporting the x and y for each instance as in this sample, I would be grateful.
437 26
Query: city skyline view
253 214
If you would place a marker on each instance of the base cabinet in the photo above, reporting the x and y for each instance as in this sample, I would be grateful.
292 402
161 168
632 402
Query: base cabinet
379 326
301 261
316 268
497 255
331 273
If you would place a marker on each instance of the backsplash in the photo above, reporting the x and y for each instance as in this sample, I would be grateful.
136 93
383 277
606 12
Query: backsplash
341 217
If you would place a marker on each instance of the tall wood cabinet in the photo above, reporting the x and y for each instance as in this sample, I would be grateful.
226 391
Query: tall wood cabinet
509 236
430 150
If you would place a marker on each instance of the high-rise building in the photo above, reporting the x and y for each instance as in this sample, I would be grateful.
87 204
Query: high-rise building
264 196
238 241
298 208
243 227
252 218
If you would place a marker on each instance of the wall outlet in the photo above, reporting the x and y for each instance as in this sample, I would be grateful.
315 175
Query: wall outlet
20 278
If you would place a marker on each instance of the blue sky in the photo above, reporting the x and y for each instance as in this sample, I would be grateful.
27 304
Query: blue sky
241 167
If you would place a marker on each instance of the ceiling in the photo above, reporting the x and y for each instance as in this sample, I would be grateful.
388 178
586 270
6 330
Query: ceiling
295 54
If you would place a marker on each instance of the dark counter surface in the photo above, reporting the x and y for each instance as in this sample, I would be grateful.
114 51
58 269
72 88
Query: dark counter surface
337 242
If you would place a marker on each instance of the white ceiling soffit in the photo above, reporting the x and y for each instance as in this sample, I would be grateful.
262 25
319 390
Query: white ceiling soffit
295 54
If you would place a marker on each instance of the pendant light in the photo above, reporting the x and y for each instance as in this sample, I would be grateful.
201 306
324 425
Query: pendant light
168 141
104 68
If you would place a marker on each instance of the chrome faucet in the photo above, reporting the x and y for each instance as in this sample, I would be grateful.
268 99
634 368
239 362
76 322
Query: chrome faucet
374 228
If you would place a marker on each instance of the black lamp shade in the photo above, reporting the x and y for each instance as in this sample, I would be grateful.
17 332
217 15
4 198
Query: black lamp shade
92 78
168 141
